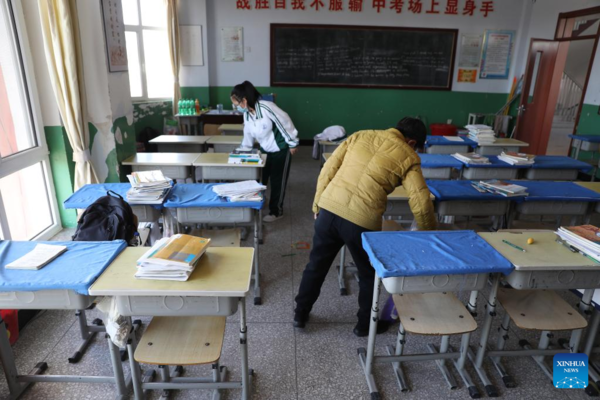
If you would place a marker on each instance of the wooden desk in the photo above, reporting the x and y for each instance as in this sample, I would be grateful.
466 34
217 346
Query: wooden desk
180 143
232 129
214 166
173 165
500 145
225 144
190 124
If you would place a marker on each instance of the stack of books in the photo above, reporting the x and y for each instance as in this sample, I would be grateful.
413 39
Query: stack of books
584 239
243 155
241 191
471 158
514 158
148 187
502 188
172 259
482 134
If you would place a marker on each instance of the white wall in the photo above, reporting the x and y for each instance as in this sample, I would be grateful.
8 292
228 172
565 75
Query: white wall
255 67
193 12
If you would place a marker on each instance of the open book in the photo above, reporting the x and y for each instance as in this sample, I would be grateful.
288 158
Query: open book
37 258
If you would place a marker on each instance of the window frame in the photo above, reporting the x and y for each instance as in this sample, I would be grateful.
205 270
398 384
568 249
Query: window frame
138 29
38 154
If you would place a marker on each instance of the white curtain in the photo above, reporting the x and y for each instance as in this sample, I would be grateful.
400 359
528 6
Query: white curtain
173 32
62 46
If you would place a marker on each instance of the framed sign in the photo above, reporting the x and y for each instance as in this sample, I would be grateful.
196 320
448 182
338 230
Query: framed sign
114 31
497 54
232 44
190 37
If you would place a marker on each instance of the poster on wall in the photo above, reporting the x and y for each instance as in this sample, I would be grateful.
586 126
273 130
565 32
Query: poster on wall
232 44
114 31
470 51
497 53
467 75
190 37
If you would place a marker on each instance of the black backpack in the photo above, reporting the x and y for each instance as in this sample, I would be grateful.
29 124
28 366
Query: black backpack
108 218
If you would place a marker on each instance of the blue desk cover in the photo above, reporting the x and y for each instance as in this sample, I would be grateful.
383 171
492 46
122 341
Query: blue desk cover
76 269
496 163
556 191
394 254
442 141
458 190
440 161
88 194
560 162
586 138
201 195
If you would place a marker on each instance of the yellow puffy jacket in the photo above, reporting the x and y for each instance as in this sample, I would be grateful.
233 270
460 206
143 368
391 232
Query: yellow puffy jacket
356 180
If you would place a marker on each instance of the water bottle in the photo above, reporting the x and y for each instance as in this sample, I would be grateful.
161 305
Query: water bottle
179 107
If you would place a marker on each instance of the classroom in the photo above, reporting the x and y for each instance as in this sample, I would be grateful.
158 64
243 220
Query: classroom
299 199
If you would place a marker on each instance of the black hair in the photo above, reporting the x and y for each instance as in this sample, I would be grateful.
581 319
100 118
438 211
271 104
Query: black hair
414 129
246 90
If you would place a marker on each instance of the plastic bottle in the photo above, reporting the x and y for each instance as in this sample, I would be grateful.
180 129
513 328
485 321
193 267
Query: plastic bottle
179 107
197 107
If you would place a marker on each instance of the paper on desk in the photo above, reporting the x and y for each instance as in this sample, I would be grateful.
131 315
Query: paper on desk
41 255
454 138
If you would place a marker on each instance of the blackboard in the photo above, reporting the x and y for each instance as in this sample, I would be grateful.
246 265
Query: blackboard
362 56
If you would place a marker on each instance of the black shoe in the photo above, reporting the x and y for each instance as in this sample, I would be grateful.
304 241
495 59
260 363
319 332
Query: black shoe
362 330
300 320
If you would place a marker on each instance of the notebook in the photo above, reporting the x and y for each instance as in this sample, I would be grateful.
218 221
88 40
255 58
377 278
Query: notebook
37 258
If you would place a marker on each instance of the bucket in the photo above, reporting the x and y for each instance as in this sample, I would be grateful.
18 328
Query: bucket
443 130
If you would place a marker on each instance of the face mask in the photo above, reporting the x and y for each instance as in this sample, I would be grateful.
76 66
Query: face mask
241 109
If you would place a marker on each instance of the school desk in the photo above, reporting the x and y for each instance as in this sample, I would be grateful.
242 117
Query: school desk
586 143
556 168
499 146
591 339
198 203
216 288
411 263
531 303
595 187
214 166
231 129
180 143
225 144
497 169
88 194
61 285
172 165
443 145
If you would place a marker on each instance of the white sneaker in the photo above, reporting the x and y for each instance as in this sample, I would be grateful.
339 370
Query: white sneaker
272 218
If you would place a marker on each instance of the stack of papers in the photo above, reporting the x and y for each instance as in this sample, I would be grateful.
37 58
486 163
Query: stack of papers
471 158
239 157
502 188
584 239
454 138
172 259
514 158
482 134
240 191
37 258
148 187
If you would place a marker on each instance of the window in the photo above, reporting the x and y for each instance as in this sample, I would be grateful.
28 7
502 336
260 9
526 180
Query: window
28 207
150 73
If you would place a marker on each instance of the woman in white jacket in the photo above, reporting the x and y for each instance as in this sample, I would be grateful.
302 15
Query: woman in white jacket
274 131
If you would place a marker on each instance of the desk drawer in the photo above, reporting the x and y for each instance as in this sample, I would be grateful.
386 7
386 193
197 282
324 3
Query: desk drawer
176 306
553 208
447 149
214 215
559 279
45 300
489 173
171 171
437 173
473 208
146 213
495 150
230 173
435 283
552 174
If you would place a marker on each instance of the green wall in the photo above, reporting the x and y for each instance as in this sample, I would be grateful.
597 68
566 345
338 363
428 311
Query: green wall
125 143
63 171
314 109
151 114
589 122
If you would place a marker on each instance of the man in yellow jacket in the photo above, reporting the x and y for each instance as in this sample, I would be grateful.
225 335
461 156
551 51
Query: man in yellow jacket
351 198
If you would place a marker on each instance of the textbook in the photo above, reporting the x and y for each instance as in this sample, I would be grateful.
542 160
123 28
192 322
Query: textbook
244 158
500 187
514 158
148 187
37 258
583 238
471 158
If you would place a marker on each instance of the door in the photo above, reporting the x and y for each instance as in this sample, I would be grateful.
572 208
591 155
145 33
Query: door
541 87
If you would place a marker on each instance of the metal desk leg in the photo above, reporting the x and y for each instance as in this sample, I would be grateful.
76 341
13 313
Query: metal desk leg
592 331
7 358
115 359
472 305
397 366
441 363
342 272
260 227
88 332
366 355
477 360
257 297
502 337
244 350
460 366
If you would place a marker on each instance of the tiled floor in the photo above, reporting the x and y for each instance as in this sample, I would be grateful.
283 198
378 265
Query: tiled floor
319 363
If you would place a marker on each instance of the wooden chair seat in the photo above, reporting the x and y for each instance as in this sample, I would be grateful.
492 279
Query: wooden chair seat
541 310
433 314
181 341
223 237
